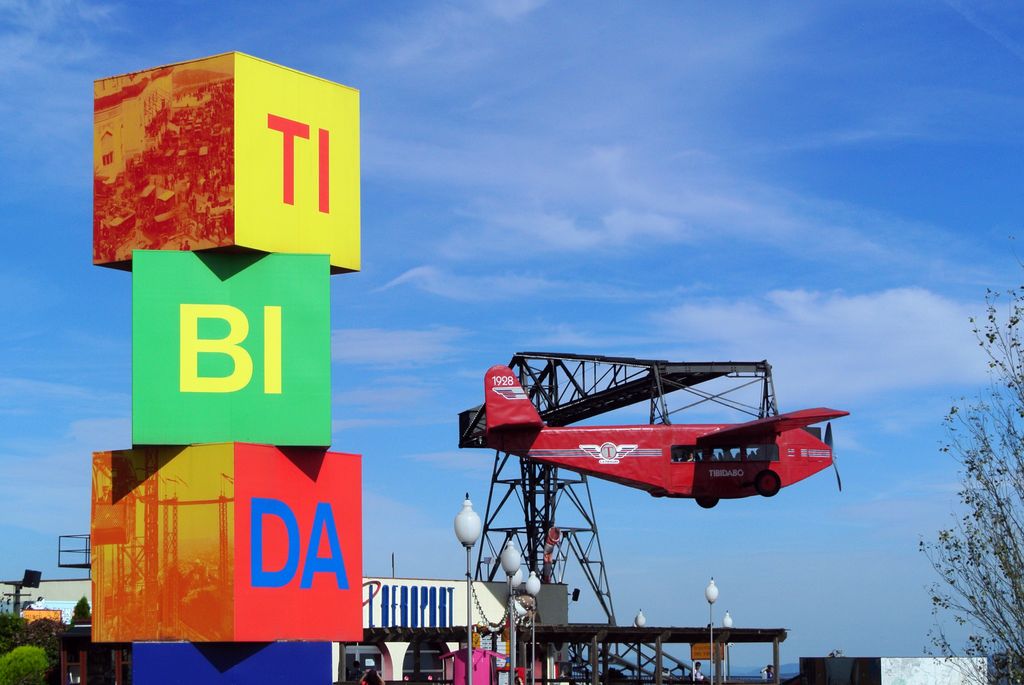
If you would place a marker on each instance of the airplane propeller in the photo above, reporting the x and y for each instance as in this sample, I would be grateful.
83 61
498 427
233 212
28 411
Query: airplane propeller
835 464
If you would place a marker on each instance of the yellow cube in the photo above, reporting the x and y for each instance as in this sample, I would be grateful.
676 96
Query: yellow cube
228 151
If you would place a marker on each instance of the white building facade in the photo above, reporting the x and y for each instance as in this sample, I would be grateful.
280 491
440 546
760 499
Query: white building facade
419 605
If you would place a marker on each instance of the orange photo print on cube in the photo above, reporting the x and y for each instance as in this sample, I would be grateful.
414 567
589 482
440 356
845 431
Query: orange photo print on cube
228 152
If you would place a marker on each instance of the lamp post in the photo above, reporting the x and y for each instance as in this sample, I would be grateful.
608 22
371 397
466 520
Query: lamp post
640 621
711 594
510 562
533 589
467 530
727 623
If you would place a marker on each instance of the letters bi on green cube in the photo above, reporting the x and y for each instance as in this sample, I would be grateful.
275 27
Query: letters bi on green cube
230 348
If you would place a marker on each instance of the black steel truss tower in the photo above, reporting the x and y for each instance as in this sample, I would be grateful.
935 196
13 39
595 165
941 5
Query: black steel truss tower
527 499
522 506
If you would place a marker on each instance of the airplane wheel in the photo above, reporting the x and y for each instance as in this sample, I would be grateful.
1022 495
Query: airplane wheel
767 483
707 502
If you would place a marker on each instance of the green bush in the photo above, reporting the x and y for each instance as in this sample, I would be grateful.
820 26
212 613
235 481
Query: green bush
81 613
24 666
11 628
44 633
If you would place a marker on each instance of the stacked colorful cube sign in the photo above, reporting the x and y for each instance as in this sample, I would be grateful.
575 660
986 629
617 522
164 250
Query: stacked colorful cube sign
230 188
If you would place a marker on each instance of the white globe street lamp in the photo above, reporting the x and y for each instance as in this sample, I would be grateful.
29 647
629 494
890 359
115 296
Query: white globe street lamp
510 559
517 580
467 530
639 621
533 584
533 589
510 563
727 623
711 594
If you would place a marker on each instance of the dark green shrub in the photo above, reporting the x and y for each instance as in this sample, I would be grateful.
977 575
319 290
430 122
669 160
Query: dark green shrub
43 633
11 627
82 614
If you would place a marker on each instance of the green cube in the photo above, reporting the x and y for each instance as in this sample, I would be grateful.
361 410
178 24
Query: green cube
230 348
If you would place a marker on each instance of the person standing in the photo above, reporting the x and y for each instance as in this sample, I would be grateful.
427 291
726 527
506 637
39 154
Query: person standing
371 677
698 677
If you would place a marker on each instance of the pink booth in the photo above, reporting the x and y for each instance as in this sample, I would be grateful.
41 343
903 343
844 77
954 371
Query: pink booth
483 666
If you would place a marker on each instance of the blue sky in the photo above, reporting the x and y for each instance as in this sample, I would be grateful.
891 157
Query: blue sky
829 186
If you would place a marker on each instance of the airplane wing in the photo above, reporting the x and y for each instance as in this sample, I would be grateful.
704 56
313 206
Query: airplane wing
765 430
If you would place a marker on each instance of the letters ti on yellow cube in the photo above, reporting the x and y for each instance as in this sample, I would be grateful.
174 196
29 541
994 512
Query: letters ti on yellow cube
228 151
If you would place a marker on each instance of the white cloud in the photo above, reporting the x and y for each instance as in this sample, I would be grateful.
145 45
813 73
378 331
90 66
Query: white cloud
410 399
543 231
386 395
407 420
59 466
22 394
826 347
479 462
24 291
510 286
512 10
38 32
565 336
47 52
989 28
453 37
390 347
340 425
551 197
583 155
394 525
467 289
102 434
47 390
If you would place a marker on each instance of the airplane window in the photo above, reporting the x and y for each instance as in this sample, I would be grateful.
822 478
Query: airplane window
727 454
682 454
769 452
685 454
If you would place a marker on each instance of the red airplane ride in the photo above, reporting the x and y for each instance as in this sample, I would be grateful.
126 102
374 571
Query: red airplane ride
706 462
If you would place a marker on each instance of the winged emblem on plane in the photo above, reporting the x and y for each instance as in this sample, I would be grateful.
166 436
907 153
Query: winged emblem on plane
609 452
705 462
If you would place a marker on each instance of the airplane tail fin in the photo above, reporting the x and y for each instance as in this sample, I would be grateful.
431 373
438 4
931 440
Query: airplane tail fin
508 406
